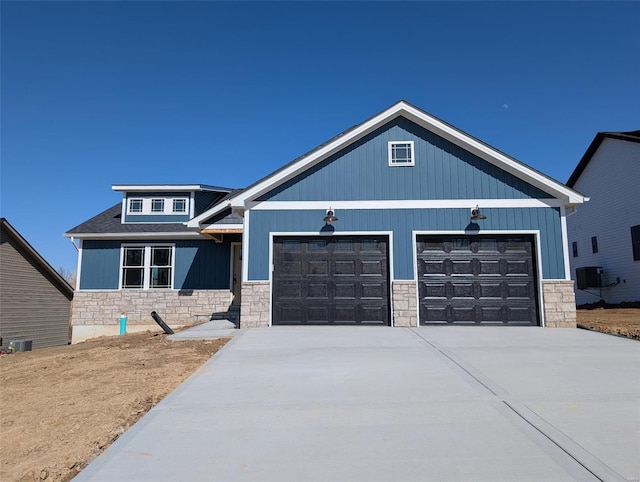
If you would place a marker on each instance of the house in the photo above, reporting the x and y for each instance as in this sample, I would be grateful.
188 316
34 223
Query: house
35 301
401 220
604 235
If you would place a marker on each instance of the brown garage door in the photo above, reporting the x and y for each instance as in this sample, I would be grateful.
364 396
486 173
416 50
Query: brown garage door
338 280
473 280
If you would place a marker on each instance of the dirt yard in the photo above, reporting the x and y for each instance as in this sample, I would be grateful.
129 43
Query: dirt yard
62 406
618 321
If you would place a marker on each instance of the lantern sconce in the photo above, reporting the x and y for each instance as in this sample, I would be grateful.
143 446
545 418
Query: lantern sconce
331 216
476 215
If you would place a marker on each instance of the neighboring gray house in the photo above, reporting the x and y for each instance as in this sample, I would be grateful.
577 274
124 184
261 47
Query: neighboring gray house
604 234
35 301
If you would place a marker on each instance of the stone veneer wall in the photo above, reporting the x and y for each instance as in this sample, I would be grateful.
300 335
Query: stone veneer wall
174 307
559 304
405 311
254 307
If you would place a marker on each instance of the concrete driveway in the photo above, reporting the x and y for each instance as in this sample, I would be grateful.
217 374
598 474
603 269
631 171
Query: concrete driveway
395 404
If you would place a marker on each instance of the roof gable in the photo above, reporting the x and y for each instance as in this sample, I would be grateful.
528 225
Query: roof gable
31 254
632 136
417 116
441 170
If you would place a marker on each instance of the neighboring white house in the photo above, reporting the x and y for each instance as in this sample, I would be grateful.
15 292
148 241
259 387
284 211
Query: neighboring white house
605 232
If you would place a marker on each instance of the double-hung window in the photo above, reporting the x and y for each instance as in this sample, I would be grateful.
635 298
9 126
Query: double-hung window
147 267
401 153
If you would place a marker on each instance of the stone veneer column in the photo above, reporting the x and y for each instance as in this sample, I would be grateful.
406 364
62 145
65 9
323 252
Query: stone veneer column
559 302
254 308
404 303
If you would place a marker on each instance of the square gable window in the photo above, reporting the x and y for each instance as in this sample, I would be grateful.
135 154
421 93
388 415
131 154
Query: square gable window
157 205
135 205
179 205
401 153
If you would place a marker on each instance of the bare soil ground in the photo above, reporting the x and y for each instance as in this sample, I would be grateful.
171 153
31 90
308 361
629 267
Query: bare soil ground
60 407
617 321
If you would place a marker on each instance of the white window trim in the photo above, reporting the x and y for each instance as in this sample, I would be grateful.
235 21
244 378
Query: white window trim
147 204
146 266
390 146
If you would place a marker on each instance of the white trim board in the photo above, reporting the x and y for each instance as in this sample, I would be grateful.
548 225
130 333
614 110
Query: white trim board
179 235
408 204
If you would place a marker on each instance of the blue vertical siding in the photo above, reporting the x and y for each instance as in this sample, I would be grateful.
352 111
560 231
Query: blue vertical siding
204 199
402 222
442 171
100 265
203 265
199 264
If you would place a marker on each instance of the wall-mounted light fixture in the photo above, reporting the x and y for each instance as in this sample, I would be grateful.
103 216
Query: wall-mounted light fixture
476 215
331 216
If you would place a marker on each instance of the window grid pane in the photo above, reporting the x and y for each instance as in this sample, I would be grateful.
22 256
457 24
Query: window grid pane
135 205
133 256
179 205
157 205
401 153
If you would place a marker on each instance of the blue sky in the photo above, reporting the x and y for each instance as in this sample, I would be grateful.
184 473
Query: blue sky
102 93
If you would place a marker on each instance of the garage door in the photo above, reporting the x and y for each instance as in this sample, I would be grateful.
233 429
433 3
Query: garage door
340 280
471 280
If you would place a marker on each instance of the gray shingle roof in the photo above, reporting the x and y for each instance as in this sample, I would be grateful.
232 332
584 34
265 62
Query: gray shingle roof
109 221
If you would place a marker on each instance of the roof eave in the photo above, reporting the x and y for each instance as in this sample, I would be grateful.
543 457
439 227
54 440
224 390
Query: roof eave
167 187
141 235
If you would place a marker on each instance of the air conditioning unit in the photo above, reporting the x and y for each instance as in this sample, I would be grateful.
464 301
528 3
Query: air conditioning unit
20 345
589 277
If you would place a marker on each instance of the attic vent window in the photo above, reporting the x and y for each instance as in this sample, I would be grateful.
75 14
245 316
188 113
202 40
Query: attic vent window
401 153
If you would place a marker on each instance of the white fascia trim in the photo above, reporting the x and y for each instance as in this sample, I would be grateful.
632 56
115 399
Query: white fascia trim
218 208
408 204
428 122
85 236
245 248
538 254
79 268
492 156
565 243
160 187
223 226
272 234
